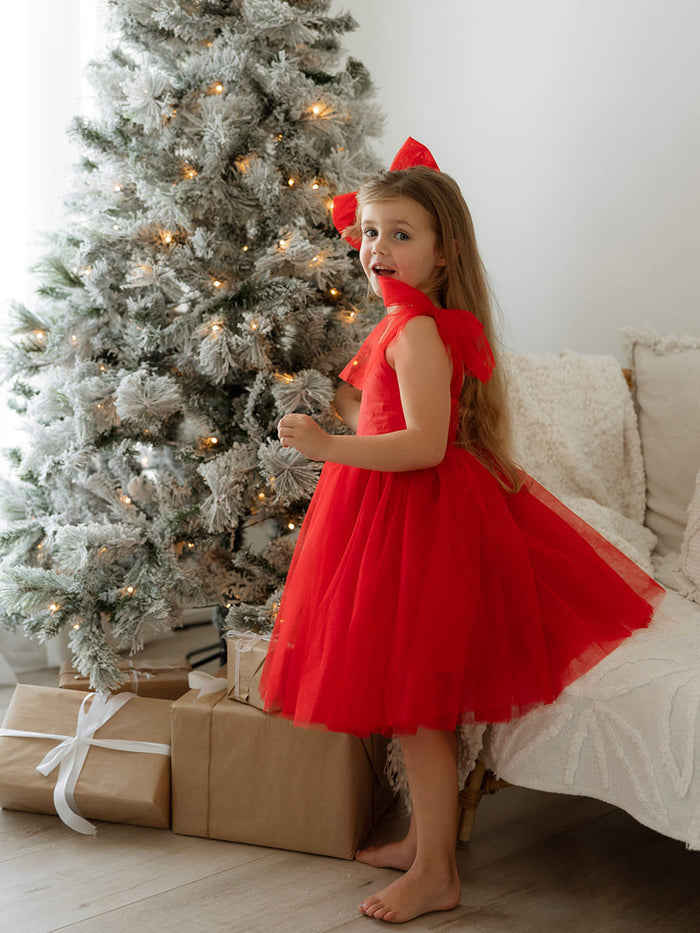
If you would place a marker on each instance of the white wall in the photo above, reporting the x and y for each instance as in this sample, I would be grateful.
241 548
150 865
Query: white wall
573 127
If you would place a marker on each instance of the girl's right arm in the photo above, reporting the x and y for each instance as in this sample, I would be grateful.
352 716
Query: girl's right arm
347 404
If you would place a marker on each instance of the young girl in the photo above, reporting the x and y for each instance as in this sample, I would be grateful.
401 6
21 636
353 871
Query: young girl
434 582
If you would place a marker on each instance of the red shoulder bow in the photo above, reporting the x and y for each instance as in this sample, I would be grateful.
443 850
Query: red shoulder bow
412 153
460 330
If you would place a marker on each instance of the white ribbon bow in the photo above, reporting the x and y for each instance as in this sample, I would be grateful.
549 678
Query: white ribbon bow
205 683
245 641
70 754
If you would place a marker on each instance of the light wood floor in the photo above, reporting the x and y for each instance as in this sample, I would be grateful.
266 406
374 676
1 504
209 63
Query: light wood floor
537 863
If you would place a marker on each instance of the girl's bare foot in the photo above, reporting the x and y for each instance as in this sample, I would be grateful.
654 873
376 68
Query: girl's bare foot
393 855
417 892
399 855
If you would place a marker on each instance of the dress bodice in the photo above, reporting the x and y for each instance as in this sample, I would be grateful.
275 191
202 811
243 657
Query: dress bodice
380 409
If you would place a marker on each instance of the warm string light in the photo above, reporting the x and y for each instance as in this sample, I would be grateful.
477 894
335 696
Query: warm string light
118 187
54 607
39 334
283 244
125 499
188 171
216 88
73 339
291 526
333 292
291 182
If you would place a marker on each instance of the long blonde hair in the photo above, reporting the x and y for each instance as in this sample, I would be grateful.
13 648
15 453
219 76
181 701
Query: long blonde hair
484 415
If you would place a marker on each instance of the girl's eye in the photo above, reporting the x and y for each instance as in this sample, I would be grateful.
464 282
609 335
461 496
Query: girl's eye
402 236
370 231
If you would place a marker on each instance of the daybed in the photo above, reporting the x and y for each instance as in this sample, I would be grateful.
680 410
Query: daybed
628 462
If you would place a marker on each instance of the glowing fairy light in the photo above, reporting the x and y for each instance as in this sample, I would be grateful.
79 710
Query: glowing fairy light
291 526
214 440
215 328
333 292
130 590
217 283
291 182
261 495
283 244
245 248
54 607
253 325
316 109
77 626
117 187
39 334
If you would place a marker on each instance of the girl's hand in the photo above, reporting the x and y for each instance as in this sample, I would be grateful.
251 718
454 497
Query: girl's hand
303 434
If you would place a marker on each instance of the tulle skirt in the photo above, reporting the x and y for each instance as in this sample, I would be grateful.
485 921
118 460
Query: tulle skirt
434 597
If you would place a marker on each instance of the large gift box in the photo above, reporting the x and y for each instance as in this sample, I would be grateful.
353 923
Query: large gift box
103 757
164 678
247 776
246 653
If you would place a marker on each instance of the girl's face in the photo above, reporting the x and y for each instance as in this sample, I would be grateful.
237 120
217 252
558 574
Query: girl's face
399 240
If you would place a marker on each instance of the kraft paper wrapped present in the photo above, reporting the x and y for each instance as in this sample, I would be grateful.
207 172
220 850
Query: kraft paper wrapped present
247 776
103 757
246 653
162 678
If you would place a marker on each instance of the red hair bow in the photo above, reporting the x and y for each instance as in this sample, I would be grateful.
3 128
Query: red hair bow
412 153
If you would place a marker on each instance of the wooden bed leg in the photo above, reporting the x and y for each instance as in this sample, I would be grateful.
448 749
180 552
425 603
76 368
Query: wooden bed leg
479 782
469 798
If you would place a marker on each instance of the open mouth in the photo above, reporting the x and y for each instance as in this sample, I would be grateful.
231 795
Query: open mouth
383 270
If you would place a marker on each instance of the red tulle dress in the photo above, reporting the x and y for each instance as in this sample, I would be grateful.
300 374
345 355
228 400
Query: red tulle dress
434 597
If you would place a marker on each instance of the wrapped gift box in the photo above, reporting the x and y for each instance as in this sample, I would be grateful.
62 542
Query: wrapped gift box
246 653
115 785
163 678
247 776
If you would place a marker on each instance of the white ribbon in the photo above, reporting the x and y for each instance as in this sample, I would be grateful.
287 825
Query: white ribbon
136 672
70 754
245 641
205 683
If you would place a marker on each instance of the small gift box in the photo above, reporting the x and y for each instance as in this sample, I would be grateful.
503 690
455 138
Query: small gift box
96 755
162 678
247 776
246 653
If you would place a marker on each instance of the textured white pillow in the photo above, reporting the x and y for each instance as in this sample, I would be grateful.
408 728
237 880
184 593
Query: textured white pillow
667 397
690 549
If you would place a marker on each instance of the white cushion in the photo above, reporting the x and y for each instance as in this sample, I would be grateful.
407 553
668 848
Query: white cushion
667 397
690 548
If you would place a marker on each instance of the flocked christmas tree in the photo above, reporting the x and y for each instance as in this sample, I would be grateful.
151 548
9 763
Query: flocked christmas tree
198 293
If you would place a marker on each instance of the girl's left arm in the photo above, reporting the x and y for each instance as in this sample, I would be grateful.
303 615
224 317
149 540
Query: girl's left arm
423 369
